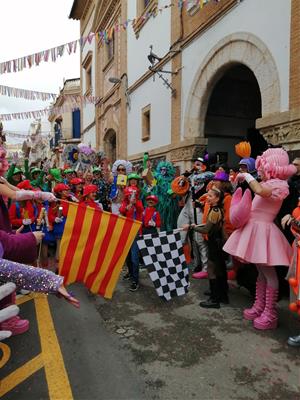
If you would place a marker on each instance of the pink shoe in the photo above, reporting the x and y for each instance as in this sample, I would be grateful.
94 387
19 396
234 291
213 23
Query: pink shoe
200 275
259 305
269 317
15 325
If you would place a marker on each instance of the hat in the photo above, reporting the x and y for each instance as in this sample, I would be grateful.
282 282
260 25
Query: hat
56 174
133 176
25 185
96 169
76 181
249 162
34 170
17 171
153 198
60 187
89 189
221 176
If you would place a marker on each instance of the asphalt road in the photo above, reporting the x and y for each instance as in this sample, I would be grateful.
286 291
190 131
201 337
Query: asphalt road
95 366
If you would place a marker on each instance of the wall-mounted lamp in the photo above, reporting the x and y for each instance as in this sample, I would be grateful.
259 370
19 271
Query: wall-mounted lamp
123 79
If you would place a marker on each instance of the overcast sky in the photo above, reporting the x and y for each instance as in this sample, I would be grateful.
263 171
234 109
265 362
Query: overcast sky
28 27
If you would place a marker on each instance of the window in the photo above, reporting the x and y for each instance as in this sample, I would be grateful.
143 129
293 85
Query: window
146 123
144 7
87 65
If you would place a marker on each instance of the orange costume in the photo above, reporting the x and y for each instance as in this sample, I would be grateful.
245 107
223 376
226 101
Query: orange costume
294 271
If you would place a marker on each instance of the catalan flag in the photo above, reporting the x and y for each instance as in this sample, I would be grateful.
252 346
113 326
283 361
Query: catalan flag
94 247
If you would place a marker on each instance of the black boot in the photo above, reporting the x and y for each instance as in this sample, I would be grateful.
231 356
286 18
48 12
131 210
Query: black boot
213 301
222 288
208 291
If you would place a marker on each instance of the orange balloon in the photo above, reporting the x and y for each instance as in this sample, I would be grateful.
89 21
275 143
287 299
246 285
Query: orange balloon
293 307
293 282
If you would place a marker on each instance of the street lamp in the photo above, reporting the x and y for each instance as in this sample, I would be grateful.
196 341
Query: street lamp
123 78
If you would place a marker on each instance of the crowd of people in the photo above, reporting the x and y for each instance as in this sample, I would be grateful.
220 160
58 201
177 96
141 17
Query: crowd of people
230 218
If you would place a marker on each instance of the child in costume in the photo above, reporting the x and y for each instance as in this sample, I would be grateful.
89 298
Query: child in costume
151 217
257 239
58 214
24 213
133 208
294 271
213 228
77 187
89 197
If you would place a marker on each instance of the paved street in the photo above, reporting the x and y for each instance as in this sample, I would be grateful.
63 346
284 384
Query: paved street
138 347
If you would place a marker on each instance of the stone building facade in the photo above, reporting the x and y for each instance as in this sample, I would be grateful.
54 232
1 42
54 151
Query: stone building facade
225 71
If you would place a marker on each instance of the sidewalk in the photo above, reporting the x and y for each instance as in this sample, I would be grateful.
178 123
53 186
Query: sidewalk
188 352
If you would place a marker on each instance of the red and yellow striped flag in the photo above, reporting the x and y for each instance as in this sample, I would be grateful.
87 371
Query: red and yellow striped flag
94 247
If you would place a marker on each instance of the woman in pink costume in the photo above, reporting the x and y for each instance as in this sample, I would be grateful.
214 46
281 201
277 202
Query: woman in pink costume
257 239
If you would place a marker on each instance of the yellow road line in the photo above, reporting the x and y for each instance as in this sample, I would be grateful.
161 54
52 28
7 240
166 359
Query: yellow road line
56 374
19 375
5 354
24 298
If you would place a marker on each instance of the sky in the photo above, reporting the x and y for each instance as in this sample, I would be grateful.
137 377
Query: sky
28 27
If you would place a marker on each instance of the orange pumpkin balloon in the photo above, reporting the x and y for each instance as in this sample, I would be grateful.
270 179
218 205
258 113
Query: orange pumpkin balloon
243 149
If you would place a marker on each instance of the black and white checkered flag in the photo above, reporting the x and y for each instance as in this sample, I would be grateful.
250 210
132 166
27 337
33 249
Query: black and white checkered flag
165 261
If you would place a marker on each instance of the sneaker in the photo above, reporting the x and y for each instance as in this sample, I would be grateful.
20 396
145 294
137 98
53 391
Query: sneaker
134 287
16 325
126 277
200 275
294 341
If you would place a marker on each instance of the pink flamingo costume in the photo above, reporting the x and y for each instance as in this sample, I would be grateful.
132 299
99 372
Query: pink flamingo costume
257 239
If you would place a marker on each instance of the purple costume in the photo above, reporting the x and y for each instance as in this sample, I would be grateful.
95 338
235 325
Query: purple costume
29 278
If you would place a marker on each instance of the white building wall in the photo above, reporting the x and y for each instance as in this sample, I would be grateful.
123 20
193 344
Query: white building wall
89 137
269 20
88 111
156 32
159 97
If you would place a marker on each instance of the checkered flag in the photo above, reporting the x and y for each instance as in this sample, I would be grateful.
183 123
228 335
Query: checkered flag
164 258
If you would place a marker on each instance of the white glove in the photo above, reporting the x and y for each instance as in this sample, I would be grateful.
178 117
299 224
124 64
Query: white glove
31 195
152 223
26 221
58 220
286 220
244 176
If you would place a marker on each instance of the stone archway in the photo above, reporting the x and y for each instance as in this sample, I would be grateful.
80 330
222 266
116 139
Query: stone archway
236 49
110 144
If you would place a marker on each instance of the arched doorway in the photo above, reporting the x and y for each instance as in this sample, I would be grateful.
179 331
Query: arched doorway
233 107
242 56
110 145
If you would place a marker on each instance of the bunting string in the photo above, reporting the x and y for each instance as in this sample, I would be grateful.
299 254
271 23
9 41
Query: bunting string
54 53
26 94
74 103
